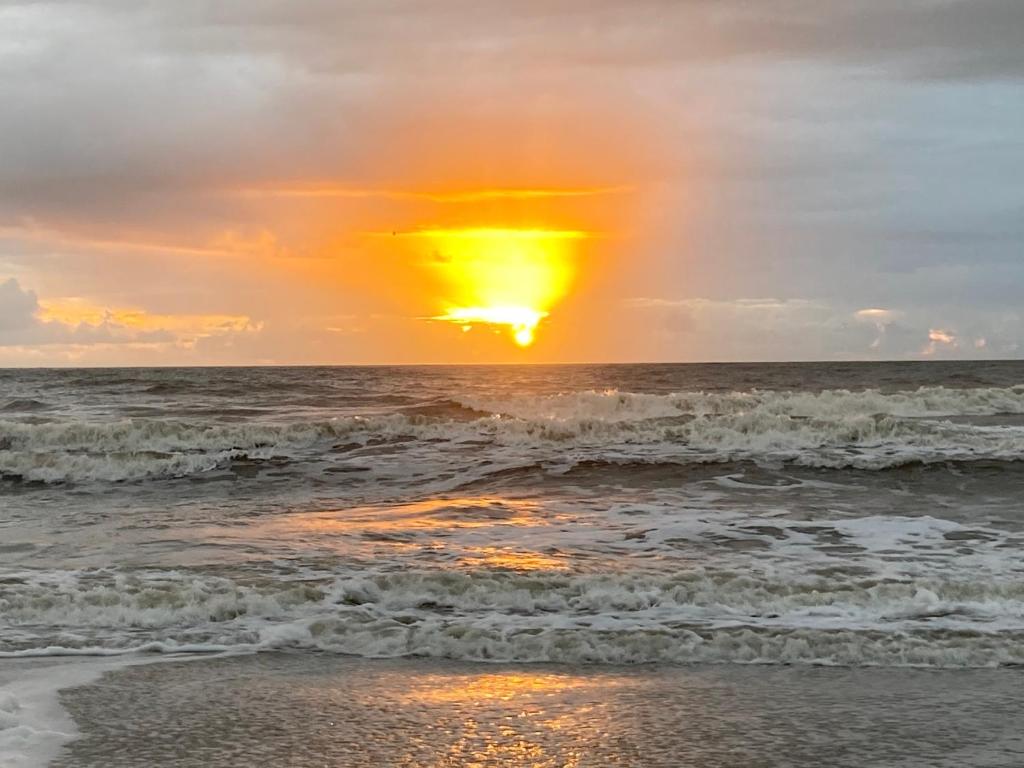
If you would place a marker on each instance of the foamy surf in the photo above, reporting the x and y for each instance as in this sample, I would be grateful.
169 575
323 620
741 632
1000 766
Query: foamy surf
778 610
836 429
33 725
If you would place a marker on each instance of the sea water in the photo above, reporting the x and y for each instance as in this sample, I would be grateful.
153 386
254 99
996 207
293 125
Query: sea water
812 514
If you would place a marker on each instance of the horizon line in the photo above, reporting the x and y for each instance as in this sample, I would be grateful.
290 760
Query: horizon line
859 361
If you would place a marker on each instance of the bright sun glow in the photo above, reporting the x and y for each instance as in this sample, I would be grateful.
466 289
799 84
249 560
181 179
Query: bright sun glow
501 277
522 320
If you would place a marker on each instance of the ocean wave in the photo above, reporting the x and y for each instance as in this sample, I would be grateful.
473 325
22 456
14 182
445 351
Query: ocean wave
833 429
62 467
24 404
697 617
167 435
615 406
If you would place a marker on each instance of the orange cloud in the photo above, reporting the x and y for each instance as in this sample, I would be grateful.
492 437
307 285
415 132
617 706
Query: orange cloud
326 189
875 314
131 322
941 336
58 237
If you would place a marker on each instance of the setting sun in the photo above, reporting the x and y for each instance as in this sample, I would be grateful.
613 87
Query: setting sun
508 278
522 320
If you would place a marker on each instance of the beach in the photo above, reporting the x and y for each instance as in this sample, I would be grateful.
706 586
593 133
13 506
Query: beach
309 711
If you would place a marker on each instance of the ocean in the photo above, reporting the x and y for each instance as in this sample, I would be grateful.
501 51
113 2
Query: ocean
815 523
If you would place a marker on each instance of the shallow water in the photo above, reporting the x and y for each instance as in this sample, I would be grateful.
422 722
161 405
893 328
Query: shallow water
314 710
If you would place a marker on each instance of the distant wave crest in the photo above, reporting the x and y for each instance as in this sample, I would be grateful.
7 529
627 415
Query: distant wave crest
833 429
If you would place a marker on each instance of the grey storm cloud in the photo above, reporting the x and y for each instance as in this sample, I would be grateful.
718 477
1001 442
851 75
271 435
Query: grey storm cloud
156 99
936 38
155 94
17 307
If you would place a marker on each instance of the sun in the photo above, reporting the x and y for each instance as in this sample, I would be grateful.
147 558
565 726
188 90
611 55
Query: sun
523 336
508 278
522 321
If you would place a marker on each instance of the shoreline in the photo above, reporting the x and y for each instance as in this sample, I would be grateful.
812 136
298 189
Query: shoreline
310 709
34 726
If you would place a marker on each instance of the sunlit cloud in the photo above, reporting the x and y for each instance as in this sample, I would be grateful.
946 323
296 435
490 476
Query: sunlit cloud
875 314
939 338
75 323
76 312
522 320
225 243
881 319
505 233
70 241
316 190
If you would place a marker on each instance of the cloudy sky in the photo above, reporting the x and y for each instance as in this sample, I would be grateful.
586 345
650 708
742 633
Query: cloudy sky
188 182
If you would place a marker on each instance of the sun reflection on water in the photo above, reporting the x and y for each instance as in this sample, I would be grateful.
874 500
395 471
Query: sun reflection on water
507 718
500 686
473 532
510 559
459 512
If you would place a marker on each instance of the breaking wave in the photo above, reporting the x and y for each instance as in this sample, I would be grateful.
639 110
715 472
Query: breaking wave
833 429
868 430
832 404
725 617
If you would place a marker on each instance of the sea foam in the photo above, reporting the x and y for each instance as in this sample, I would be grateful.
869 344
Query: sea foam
834 429
765 613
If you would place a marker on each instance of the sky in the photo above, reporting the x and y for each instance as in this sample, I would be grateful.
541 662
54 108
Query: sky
395 181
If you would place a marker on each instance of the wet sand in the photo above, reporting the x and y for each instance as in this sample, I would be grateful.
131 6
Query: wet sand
311 710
